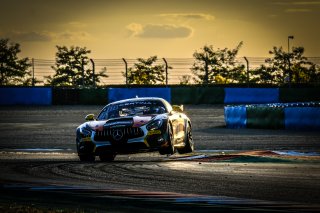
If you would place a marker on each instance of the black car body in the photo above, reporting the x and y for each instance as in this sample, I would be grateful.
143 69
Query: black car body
134 125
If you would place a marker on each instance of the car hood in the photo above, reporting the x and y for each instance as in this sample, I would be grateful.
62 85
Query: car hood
132 121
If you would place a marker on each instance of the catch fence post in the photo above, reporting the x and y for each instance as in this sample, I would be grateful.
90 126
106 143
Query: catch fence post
126 67
33 80
165 61
82 67
245 58
93 73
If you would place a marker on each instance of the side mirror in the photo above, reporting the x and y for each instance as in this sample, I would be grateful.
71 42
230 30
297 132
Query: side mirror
90 117
177 108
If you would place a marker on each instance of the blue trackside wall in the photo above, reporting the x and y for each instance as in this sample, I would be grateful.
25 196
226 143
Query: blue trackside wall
26 96
251 95
175 95
235 117
116 94
305 118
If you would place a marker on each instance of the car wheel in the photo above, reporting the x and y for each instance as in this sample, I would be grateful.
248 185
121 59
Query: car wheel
107 157
170 149
87 158
189 145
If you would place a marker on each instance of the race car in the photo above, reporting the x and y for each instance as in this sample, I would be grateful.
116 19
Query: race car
134 125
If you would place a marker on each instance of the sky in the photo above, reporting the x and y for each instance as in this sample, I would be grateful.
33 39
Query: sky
114 29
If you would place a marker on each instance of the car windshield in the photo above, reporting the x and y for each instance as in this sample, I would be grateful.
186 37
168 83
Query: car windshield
132 108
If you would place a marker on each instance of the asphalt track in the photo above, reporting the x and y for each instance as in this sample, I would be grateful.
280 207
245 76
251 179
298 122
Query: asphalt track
236 170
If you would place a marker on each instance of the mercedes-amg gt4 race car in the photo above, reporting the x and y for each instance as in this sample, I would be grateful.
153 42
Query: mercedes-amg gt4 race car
134 125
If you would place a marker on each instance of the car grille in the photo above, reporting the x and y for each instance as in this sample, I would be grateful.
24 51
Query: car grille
118 134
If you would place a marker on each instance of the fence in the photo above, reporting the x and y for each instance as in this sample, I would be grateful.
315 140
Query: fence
116 68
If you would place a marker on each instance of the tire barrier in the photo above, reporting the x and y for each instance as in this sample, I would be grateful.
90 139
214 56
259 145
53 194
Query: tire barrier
235 116
304 118
265 117
25 96
296 116
116 94
251 95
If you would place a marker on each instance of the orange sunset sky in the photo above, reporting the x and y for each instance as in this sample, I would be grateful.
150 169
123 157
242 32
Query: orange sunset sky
166 28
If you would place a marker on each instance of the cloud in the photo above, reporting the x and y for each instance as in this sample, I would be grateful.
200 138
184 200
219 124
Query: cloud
297 10
298 6
45 36
72 36
307 3
76 24
159 31
29 36
203 16
135 29
272 16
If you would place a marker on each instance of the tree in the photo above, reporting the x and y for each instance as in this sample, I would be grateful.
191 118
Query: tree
185 80
145 72
217 66
70 68
286 67
14 71
302 70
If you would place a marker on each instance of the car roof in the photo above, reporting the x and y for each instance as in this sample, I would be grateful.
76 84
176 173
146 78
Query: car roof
139 99
163 101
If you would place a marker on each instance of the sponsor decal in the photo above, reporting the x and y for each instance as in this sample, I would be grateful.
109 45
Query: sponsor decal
154 132
118 123
139 103
140 120
96 125
86 139
146 142
98 128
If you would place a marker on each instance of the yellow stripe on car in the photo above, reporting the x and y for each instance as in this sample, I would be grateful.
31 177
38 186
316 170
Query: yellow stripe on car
86 139
154 132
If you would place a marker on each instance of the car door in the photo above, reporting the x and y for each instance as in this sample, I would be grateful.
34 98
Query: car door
178 126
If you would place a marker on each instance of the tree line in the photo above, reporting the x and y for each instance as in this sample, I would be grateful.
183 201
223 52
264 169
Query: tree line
211 66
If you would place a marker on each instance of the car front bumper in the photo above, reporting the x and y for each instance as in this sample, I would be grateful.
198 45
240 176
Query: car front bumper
151 140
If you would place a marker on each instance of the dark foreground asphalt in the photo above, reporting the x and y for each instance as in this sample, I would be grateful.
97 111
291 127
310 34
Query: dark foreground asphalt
234 170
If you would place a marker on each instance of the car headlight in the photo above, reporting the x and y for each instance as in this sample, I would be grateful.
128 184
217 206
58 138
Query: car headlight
156 124
86 131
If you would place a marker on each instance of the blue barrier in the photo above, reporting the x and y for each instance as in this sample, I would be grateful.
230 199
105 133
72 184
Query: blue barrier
116 94
305 118
294 116
235 116
26 96
251 95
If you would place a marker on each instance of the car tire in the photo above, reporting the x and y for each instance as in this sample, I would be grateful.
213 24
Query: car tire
170 149
107 157
87 158
189 145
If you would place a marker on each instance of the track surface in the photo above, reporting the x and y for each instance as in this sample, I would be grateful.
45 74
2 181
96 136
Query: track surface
38 160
